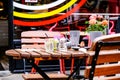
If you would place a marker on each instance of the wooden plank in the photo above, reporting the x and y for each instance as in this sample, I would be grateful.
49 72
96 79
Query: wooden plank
64 54
43 54
23 54
108 69
32 40
13 53
57 53
53 54
34 54
53 76
33 34
39 34
77 53
111 78
31 46
106 56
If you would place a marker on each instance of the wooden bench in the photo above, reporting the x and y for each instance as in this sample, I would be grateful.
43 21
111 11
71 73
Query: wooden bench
103 58
35 40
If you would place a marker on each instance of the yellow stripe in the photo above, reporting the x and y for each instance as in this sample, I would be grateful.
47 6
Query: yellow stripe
42 15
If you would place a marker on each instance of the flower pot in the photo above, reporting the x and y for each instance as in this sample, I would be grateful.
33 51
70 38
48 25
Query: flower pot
95 34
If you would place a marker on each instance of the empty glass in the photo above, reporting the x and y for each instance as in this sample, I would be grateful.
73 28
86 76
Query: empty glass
74 38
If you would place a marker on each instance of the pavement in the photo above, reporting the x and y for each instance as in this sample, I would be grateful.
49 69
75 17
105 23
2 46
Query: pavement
7 75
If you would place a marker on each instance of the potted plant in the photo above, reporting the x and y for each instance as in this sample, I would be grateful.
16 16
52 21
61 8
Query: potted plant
96 26
96 23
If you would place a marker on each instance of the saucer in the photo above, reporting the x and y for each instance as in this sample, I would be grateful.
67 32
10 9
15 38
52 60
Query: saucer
76 48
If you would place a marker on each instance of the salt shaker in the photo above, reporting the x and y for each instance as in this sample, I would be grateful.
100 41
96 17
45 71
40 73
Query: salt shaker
62 44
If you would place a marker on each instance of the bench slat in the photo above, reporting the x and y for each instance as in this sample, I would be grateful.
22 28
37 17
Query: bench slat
53 76
106 56
106 69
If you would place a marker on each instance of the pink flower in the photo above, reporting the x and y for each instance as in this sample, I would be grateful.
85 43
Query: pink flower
92 21
93 16
100 17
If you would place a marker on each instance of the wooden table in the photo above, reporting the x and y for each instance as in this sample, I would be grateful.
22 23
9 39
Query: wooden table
41 54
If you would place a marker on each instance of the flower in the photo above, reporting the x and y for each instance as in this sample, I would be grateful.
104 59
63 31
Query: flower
96 23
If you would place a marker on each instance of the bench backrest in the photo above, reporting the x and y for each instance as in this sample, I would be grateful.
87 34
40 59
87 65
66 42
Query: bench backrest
104 57
106 38
36 39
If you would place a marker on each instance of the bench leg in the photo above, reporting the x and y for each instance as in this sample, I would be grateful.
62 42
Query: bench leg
33 70
38 69
62 66
72 65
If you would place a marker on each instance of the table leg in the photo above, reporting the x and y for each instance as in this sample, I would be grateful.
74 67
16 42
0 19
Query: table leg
77 75
75 71
38 69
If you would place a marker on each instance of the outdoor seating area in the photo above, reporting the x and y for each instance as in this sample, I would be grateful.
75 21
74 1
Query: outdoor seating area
95 55
60 39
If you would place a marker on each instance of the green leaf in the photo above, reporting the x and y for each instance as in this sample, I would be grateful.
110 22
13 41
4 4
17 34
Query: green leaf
86 22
